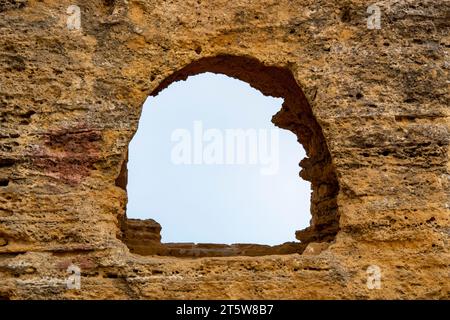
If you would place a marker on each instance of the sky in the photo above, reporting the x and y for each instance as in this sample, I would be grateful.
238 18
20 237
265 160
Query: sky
189 171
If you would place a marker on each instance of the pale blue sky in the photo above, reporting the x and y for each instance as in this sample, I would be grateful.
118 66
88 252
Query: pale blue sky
214 203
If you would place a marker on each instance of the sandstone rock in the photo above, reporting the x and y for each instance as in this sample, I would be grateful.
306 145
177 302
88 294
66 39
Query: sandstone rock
315 248
3 242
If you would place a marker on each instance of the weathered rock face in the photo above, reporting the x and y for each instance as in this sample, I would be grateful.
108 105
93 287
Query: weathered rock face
370 106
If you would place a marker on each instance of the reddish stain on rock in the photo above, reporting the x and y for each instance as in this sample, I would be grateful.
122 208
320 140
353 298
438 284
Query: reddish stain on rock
69 154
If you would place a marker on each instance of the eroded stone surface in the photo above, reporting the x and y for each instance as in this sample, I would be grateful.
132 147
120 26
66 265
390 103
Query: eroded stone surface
70 101
143 237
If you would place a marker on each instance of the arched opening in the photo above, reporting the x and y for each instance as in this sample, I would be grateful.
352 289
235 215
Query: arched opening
209 166
143 236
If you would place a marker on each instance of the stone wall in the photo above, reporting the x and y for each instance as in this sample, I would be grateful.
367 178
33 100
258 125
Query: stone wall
370 106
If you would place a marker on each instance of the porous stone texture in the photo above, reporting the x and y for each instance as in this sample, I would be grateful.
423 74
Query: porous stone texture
370 106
